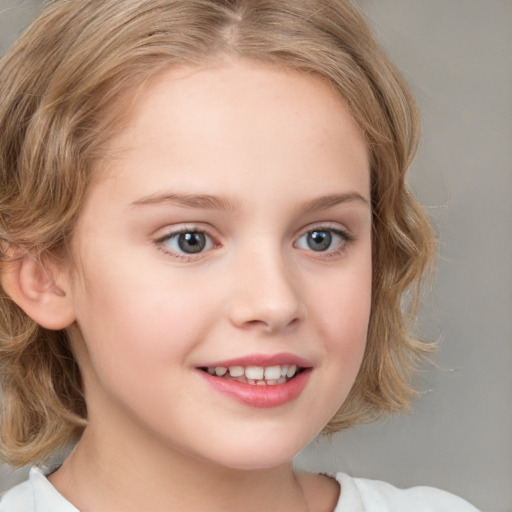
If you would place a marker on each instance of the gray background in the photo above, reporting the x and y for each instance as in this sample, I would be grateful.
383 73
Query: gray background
457 56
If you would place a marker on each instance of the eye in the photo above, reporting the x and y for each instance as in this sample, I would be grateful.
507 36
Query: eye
187 242
322 240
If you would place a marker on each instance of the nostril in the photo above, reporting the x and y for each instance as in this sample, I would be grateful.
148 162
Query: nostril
255 323
271 324
294 322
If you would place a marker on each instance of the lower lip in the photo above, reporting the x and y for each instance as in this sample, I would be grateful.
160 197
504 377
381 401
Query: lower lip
260 396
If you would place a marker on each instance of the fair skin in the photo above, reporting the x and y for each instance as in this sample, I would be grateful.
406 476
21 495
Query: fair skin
231 228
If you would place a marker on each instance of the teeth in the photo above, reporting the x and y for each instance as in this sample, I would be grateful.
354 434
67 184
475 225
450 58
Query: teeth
258 375
291 371
272 373
254 372
236 371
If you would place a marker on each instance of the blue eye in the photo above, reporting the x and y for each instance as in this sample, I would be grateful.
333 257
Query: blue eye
188 242
321 240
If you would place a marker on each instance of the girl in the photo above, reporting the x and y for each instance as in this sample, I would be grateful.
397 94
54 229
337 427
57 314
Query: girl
206 238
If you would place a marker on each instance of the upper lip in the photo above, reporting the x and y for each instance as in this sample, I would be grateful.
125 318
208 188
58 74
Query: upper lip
261 360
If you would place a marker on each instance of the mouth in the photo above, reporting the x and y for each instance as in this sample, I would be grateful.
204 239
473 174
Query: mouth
259 380
256 375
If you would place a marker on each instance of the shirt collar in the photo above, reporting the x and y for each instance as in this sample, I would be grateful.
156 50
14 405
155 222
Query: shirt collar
46 497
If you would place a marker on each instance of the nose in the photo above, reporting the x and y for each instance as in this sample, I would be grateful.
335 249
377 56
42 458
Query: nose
265 295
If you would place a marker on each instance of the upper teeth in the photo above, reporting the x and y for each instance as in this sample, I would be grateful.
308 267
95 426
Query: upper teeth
255 372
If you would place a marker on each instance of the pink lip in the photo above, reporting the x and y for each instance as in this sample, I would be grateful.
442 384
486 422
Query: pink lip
259 396
261 360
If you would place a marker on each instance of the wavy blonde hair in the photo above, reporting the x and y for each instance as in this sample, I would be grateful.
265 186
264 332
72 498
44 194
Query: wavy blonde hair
62 87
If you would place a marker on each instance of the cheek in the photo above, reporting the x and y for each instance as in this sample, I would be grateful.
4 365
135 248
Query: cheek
339 322
140 321
343 315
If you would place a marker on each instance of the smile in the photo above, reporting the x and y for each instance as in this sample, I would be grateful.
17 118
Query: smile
259 380
256 375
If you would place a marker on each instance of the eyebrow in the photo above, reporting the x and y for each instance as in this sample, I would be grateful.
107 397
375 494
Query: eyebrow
187 201
223 203
325 202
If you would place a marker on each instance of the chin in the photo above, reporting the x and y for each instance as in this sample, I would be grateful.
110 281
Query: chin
259 462
260 454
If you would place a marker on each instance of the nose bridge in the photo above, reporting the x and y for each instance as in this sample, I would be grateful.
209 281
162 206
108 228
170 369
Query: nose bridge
265 294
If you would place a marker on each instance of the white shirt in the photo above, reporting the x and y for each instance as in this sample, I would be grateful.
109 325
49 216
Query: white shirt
357 495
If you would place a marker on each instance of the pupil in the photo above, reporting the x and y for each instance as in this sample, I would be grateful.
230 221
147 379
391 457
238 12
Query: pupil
191 242
319 240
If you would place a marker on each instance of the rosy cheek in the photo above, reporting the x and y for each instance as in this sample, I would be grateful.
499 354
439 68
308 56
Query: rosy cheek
346 315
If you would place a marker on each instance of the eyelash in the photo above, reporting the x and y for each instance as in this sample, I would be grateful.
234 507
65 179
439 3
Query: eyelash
161 242
344 238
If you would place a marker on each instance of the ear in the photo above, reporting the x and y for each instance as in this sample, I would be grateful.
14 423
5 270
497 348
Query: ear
33 285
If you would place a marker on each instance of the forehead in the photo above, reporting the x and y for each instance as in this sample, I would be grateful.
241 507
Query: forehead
236 118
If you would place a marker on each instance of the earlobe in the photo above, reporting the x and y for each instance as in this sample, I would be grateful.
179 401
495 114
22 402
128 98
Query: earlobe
31 284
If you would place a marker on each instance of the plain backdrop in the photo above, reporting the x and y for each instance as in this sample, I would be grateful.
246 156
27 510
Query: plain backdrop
457 56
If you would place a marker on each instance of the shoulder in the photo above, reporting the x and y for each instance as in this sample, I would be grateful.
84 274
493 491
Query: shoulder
18 498
362 495
35 495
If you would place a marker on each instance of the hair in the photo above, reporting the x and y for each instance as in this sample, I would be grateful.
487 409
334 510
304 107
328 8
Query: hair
62 88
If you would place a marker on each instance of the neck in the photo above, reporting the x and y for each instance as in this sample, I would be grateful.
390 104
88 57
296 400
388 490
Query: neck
114 476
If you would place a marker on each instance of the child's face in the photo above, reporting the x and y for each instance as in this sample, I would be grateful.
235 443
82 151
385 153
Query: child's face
233 229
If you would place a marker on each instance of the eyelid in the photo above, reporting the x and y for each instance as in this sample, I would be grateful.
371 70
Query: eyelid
345 234
173 231
327 226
